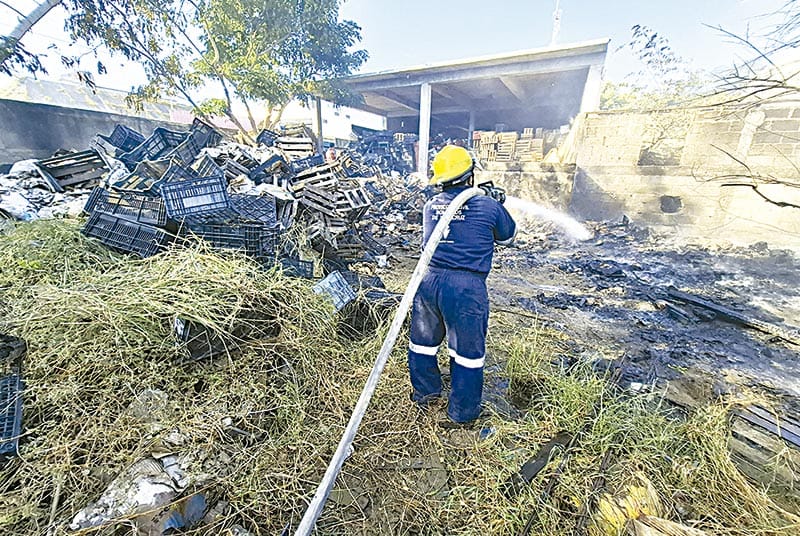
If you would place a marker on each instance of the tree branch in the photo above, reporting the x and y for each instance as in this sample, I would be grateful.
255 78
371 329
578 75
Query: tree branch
761 195
25 25
12 8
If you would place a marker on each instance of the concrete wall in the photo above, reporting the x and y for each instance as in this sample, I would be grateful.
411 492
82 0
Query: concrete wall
690 192
29 130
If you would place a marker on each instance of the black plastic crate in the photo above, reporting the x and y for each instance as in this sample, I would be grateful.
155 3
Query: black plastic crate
187 151
179 172
158 145
267 137
221 216
372 245
274 164
211 137
128 206
253 239
126 236
195 197
259 208
124 138
337 289
297 268
11 388
358 282
144 175
376 193
207 167
307 162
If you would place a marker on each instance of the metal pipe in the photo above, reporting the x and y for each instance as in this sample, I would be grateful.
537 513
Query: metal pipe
323 490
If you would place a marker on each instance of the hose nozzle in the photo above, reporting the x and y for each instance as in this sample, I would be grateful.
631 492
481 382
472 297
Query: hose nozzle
495 192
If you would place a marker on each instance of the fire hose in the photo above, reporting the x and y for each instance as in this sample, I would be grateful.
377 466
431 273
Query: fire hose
326 484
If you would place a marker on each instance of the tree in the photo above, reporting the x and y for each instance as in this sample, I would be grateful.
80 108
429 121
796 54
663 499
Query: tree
762 74
273 52
263 52
12 53
664 87
768 72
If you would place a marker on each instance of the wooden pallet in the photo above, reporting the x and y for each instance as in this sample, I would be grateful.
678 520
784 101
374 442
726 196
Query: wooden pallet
320 180
73 169
320 200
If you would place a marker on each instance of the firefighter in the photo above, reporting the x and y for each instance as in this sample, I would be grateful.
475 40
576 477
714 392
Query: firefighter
452 299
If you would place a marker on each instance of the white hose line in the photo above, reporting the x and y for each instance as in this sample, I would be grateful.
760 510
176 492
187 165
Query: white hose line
323 490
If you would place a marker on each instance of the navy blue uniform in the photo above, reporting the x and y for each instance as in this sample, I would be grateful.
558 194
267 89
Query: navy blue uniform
452 300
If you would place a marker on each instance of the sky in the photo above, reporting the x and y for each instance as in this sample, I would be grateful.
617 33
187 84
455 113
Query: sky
404 33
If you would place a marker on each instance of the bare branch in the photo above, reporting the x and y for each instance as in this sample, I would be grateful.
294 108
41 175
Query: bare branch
12 8
764 197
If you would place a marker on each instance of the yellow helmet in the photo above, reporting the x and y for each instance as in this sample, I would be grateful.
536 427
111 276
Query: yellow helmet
451 163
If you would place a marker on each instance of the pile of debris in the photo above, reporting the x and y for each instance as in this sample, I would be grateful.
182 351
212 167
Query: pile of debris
530 146
142 194
389 152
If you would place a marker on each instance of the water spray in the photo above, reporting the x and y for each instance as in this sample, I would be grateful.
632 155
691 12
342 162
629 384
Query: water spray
566 223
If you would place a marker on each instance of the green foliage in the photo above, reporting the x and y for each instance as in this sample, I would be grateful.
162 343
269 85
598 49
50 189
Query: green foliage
213 107
14 56
276 51
267 52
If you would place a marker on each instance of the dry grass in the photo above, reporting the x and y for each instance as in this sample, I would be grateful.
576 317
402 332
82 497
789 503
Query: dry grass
99 332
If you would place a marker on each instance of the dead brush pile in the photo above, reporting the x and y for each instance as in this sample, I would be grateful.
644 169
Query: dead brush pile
261 424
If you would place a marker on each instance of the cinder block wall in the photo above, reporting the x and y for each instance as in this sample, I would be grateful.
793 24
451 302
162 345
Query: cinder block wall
702 153
31 130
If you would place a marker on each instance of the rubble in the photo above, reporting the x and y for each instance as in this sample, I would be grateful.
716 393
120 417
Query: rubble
172 187
248 377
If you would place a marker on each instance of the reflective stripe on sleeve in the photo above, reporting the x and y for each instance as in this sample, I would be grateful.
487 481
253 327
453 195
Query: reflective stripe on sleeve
509 241
424 350
467 362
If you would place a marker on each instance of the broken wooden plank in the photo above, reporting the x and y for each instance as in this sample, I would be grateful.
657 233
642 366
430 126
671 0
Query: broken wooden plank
71 169
785 427
786 334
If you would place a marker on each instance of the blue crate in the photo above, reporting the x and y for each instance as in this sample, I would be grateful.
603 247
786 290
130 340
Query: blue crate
156 147
11 388
336 288
253 239
297 268
259 208
187 151
195 197
123 138
267 137
211 137
130 206
205 166
126 236
144 176
307 162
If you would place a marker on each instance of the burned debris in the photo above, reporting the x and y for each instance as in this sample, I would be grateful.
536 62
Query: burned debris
143 194
260 360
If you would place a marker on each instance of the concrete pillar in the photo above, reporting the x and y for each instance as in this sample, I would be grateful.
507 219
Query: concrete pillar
320 143
424 128
591 91
471 128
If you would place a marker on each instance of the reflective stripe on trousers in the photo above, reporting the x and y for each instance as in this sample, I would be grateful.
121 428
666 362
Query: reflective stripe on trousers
453 303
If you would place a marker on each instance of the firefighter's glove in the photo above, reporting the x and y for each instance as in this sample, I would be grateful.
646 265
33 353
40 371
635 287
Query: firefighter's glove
498 194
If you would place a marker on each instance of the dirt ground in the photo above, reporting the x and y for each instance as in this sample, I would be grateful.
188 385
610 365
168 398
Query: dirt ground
606 295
